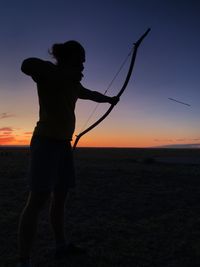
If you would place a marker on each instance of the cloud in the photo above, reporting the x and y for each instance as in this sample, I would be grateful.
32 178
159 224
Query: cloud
10 136
6 135
6 129
4 140
5 115
179 140
163 140
181 146
178 143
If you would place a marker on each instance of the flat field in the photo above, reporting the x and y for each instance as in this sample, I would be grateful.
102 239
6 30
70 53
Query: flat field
131 207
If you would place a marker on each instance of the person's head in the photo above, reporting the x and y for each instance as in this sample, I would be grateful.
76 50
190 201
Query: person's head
70 52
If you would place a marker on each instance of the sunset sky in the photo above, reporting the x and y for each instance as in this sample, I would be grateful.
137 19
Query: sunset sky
167 66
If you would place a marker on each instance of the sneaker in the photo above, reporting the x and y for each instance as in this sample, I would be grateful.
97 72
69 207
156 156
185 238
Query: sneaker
69 250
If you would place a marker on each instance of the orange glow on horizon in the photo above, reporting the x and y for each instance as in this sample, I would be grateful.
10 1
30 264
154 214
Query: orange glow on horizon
10 137
84 142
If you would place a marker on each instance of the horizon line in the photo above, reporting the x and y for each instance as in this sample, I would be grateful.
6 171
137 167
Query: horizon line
171 146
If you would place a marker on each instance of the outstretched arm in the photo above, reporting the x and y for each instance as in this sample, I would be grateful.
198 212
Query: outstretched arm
97 97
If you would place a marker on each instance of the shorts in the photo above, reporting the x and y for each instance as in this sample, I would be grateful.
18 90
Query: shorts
51 165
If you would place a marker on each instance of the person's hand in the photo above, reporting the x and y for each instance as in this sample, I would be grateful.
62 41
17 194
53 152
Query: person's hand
114 100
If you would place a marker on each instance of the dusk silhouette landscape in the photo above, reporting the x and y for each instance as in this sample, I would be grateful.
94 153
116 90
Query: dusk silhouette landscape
136 197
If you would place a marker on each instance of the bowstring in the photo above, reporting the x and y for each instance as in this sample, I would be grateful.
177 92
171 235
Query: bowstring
107 89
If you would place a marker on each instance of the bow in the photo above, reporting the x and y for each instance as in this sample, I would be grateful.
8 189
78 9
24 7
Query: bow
136 46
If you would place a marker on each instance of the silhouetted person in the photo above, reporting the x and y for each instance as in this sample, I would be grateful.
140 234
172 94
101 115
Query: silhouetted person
51 161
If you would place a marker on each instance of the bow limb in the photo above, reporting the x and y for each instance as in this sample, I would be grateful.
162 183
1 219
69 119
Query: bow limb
136 46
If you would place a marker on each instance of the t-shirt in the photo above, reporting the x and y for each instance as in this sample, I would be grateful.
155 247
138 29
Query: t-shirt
58 92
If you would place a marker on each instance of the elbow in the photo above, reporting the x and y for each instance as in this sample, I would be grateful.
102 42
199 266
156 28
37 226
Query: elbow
28 65
25 67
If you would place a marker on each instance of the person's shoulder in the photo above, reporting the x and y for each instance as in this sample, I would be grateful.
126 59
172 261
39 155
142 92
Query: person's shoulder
34 61
35 66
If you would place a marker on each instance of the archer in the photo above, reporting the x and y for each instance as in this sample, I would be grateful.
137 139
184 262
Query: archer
51 161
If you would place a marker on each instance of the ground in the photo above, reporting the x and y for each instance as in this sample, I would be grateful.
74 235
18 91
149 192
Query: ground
131 207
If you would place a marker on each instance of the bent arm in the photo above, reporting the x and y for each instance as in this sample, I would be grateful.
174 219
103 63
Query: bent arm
96 96
31 66
36 67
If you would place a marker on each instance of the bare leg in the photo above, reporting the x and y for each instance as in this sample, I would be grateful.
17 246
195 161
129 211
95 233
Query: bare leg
63 250
57 215
28 222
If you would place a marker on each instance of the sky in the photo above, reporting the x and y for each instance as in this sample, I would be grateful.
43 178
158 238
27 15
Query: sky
167 66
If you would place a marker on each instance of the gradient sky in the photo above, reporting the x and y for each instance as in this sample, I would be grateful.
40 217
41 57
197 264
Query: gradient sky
167 65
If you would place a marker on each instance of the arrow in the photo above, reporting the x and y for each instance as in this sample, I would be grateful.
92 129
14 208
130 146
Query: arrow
180 102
